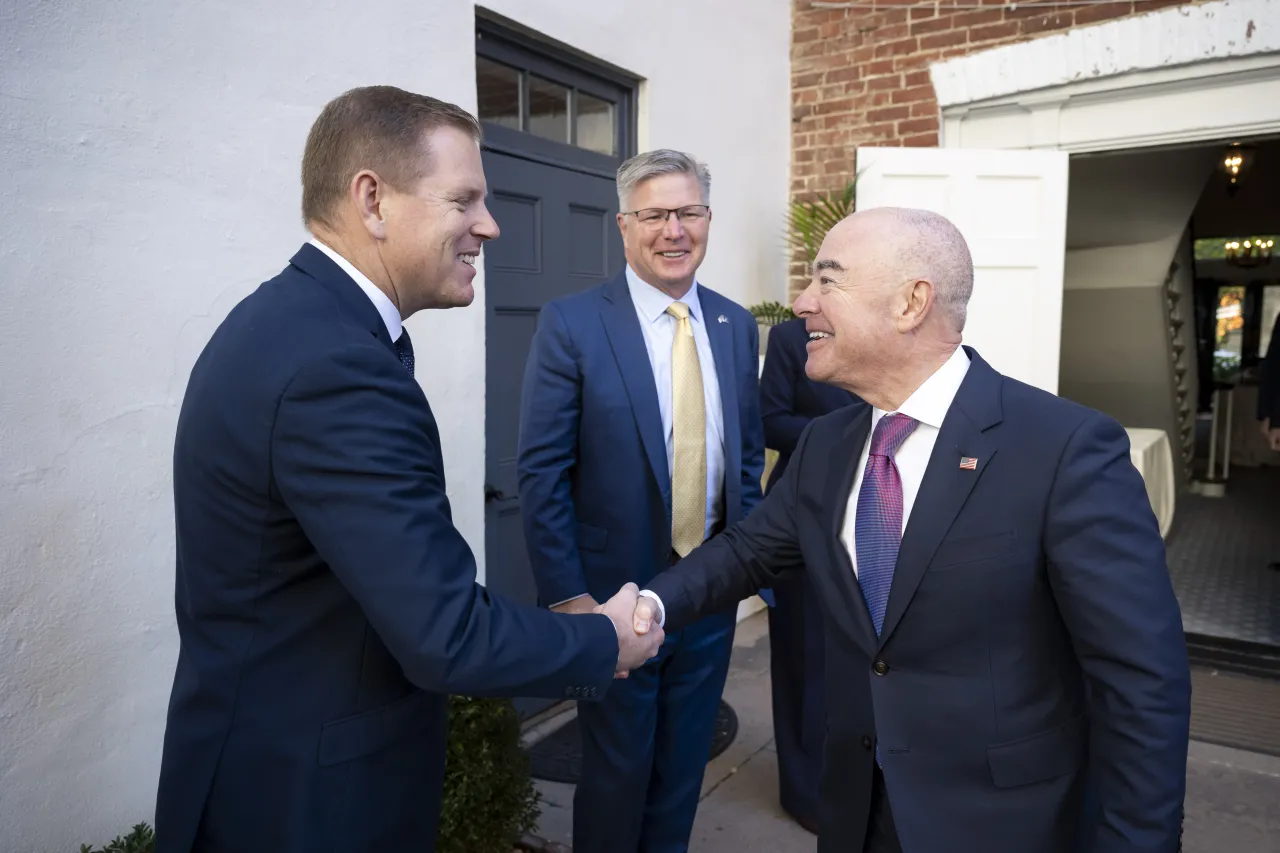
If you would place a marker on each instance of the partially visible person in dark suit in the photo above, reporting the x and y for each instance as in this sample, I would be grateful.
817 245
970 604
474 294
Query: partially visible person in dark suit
640 439
1269 398
789 400
1001 630
1269 390
326 603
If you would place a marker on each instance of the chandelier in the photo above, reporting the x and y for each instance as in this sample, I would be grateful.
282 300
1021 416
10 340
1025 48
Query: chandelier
1250 253
1235 163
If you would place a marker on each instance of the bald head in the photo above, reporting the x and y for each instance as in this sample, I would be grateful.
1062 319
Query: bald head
917 244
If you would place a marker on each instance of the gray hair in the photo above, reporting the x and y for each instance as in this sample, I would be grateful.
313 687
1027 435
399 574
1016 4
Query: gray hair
652 164
933 248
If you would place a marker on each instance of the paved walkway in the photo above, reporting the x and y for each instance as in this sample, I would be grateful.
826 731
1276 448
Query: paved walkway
1233 797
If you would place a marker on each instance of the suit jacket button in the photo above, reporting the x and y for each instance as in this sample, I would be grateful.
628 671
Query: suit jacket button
880 667
866 742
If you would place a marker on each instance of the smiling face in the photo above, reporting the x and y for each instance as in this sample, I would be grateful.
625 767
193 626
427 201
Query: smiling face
435 228
848 308
666 254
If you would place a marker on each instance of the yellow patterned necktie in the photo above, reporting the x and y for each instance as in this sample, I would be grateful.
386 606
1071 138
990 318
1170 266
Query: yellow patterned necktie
689 437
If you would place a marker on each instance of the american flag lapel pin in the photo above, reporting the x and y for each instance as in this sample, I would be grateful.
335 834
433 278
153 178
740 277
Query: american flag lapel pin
722 319
968 463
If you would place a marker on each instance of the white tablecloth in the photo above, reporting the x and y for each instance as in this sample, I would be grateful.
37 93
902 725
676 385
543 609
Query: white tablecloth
1152 455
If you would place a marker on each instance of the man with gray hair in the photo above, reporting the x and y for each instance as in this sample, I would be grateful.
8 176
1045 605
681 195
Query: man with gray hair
1005 662
640 438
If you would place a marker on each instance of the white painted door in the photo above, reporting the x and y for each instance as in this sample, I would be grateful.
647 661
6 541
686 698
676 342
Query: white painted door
1011 207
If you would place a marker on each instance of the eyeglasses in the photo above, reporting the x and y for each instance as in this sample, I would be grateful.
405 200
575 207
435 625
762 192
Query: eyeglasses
655 217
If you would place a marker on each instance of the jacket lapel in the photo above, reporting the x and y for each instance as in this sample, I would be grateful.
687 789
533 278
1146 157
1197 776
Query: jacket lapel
627 341
721 337
946 486
835 499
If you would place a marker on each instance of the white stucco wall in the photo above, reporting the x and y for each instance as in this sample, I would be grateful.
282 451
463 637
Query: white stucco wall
152 155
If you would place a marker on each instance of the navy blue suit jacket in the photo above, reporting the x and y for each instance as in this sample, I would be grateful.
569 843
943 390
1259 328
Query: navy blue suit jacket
595 491
789 399
1032 642
325 601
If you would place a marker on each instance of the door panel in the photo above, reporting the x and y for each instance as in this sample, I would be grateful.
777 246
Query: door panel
1011 207
559 236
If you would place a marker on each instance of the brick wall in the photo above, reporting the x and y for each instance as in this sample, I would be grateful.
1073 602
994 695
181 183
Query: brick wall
861 76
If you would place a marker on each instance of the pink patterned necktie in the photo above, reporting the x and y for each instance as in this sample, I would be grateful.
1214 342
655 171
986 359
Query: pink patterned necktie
878 526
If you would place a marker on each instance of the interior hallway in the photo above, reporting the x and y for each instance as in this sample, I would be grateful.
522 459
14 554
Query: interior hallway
1233 797
1218 550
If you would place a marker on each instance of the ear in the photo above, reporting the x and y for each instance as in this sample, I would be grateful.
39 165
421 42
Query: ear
368 192
918 299
622 225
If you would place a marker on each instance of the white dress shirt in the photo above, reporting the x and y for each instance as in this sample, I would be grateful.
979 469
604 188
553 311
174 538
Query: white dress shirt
386 308
928 406
659 329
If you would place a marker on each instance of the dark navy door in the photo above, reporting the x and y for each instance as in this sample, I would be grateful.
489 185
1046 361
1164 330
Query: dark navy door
559 236
556 128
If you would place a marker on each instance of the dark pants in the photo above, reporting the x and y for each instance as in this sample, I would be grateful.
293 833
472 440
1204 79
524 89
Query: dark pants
796 653
645 746
882 835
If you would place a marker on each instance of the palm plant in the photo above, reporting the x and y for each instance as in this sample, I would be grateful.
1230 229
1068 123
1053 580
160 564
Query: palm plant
808 221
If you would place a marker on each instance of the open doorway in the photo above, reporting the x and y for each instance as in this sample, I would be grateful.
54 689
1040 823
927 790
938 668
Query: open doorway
1166 314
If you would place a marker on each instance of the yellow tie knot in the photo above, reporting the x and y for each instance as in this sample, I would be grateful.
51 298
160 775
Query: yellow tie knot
678 310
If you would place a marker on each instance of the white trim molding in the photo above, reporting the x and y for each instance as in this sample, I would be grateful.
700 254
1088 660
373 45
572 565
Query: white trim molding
1178 75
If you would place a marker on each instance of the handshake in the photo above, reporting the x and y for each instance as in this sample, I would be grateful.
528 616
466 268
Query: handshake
634 617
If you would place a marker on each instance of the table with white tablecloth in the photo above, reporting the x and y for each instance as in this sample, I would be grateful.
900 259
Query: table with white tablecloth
1152 455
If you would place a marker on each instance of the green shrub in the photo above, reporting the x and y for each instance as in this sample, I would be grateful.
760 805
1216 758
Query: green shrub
771 313
141 840
489 798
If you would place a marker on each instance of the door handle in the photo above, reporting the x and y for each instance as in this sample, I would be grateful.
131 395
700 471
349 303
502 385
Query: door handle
492 494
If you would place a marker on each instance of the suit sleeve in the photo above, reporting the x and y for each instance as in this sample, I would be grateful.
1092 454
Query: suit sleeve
741 561
356 458
752 428
550 410
782 427
1107 569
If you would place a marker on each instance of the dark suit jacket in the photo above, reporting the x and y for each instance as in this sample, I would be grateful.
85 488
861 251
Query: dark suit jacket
1269 380
789 399
595 490
1017 584
325 601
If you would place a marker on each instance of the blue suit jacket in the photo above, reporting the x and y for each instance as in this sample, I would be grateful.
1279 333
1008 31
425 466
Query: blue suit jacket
595 491
1032 642
325 601
789 399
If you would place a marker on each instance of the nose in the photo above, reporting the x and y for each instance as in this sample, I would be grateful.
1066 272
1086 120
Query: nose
806 304
486 227
672 229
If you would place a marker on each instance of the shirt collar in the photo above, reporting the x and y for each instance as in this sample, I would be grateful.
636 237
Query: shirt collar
652 303
930 402
386 308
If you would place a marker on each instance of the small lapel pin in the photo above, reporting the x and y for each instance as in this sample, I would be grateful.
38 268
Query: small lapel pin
968 463
722 319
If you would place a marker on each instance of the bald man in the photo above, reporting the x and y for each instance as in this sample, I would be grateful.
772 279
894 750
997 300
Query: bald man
1000 626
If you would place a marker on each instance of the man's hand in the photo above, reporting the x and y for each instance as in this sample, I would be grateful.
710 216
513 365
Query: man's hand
581 604
646 615
633 649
